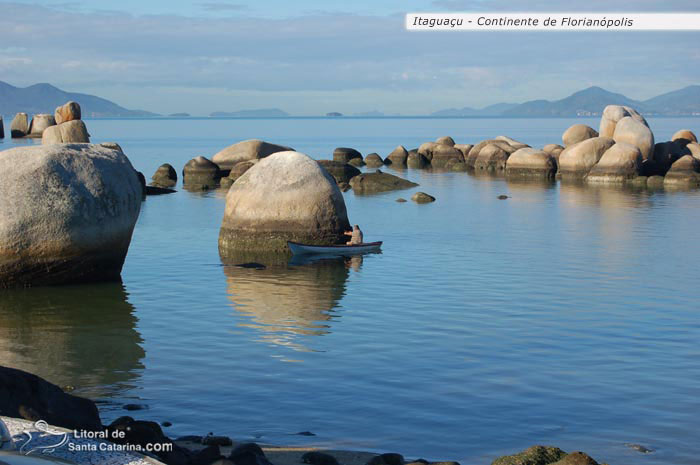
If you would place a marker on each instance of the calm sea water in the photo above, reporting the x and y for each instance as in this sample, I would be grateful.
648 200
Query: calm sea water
563 315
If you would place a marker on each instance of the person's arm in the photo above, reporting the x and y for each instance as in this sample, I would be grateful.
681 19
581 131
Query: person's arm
348 233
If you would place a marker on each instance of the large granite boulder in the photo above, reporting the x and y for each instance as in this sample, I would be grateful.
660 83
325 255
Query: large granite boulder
620 163
516 144
491 158
632 131
341 172
694 149
19 126
445 140
684 135
200 173
372 183
426 149
577 160
612 114
531 163
578 133
27 396
398 157
373 160
251 149
70 111
554 150
67 213
471 158
685 172
346 154
443 154
165 176
70 132
464 148
417 160
39 123
287 196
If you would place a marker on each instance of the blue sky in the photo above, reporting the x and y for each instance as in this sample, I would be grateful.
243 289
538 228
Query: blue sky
311 57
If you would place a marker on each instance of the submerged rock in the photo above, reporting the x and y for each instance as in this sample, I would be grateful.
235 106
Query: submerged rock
422 197
251 149
535 455
372 183
373 160
341 172
531 163
577 160
398 157
620 163
68 112
70 132
200 173
19 127
165 176
389 458
286 196
578 133
345 154
83 233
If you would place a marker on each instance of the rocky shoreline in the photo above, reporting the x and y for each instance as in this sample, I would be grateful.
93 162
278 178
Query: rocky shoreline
29 397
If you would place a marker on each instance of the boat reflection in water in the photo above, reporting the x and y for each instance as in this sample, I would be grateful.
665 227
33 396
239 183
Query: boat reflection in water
81 336
289 300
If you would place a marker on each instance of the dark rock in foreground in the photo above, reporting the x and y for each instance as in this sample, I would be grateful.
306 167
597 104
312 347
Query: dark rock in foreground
24 395
318 458
372 183
535 455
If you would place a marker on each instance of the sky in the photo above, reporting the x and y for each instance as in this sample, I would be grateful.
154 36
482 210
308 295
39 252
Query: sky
312 57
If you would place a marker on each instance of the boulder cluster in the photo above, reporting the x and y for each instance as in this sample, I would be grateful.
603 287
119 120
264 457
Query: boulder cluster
63 127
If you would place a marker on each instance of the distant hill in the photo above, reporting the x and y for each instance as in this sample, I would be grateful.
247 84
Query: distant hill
491 110
44 98
259 113
590 102
679 102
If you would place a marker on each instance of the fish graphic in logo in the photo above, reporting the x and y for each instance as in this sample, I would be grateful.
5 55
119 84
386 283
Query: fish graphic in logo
59 439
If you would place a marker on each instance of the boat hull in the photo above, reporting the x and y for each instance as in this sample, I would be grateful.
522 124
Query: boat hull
306 249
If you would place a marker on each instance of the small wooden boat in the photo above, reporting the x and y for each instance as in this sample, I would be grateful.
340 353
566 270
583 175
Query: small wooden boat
303 249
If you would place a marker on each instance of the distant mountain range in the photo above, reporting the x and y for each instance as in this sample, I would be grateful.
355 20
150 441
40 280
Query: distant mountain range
260 113
590 102
44 98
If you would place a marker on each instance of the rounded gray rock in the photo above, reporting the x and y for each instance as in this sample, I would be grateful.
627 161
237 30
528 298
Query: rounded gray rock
577 160
251 149
286 196
19 127
165 176
200 173
577 133
67 213
373 160
66 133
345 154
398 157
620 163
531 163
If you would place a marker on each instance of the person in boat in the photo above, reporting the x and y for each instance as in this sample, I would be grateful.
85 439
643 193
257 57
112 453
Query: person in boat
356 236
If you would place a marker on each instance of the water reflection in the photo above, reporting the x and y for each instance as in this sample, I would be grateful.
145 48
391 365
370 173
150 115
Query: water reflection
289 300
81 336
